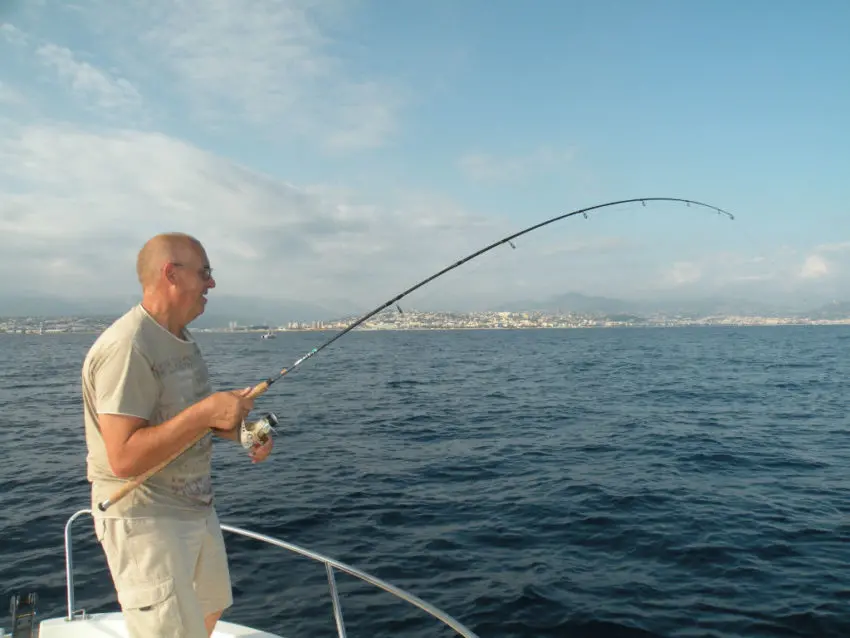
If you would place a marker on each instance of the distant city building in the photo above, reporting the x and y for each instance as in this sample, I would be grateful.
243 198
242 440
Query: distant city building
415 320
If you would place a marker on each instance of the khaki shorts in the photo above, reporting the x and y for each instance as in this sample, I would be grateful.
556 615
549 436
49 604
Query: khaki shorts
169 574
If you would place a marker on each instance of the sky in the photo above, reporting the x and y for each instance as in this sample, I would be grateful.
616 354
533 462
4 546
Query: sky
339 151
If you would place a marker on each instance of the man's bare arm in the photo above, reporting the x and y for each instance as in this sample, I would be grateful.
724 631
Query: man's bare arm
132 446
232 435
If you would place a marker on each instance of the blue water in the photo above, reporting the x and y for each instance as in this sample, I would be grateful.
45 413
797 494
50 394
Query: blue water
610 482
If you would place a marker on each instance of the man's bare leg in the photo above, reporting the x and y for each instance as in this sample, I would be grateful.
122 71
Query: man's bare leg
211 620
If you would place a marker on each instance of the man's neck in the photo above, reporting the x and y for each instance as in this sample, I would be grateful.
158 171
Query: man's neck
162 314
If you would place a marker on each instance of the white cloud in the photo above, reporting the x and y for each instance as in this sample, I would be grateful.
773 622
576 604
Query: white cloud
594 245
10 96
276 69
684 273
13 34
814 267
75 206
754 277
833 247
79 205
779 273
826 261
494 168
88 82
273 65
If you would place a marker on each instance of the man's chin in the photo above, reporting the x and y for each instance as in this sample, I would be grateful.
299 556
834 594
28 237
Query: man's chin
200 309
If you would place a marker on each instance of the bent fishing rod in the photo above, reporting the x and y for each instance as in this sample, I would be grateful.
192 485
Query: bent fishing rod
263 386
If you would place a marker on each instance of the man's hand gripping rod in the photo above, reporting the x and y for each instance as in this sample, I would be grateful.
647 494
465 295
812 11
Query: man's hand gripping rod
128 487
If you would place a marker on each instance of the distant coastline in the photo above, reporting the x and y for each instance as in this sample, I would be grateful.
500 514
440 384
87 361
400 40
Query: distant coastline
422 321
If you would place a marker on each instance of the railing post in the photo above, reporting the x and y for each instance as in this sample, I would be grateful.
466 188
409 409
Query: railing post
69 569
69 562
340 623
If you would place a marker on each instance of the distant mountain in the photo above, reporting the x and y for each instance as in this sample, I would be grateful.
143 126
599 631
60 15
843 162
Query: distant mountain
573 302
245 310
834 310
23 305
712 305
685 307
221 309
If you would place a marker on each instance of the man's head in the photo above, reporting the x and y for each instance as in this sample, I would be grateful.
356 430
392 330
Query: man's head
175 274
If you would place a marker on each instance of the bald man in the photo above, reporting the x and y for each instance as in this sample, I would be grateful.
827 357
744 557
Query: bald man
147 395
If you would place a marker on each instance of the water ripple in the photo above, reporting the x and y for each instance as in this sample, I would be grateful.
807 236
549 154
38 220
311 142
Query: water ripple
675 483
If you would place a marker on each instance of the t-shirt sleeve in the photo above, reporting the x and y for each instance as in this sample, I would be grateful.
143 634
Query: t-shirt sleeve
125 382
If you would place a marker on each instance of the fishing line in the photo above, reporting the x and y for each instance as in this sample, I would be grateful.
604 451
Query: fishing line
265 425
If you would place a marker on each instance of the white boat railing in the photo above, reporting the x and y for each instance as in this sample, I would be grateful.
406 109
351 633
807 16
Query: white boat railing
329 563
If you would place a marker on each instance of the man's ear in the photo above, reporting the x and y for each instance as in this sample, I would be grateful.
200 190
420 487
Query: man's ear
169 271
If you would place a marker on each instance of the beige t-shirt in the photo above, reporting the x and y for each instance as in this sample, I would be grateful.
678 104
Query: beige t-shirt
137 367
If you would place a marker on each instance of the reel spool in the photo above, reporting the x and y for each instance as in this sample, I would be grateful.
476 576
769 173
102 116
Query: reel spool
257 432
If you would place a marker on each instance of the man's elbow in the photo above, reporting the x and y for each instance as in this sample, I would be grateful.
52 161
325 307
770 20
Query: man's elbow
121 466
122 451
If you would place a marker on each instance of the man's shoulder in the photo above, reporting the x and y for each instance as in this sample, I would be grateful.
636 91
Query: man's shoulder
123 332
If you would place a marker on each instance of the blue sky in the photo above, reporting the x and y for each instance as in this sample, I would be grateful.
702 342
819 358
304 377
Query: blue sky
363 145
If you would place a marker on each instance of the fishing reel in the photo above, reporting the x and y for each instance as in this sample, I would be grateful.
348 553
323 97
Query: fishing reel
257 432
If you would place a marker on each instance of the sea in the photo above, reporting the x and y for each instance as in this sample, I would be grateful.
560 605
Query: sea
610 482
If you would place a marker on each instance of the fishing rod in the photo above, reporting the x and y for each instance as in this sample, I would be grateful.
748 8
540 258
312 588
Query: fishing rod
260 430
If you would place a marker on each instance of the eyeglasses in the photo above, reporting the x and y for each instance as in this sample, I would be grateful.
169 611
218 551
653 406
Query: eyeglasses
204 273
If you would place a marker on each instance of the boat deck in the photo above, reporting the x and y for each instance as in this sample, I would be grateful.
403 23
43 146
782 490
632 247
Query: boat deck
111 625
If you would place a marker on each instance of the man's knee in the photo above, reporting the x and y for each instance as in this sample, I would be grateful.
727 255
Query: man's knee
211 619
212 575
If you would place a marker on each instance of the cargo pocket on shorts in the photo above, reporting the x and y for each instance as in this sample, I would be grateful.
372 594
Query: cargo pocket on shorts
152 608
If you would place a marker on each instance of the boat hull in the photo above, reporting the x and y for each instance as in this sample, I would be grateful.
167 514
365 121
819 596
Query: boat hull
112 625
